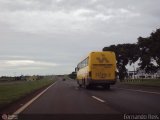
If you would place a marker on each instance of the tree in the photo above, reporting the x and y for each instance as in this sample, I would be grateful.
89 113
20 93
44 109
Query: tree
125 53
149 52
73 75
146 49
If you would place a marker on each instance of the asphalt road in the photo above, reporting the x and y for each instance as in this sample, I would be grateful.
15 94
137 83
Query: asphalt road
65 97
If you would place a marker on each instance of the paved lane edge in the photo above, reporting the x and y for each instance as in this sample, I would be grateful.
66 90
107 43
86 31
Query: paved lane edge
18 111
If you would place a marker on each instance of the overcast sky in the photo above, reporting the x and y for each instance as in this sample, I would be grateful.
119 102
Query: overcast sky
52 36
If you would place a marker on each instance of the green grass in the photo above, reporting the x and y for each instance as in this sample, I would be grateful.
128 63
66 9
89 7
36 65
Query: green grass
144 82
15 90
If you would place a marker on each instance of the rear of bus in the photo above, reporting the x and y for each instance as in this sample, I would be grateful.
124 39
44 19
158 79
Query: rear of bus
102 68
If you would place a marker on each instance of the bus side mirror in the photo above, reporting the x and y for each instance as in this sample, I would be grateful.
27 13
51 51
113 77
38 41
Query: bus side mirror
76 69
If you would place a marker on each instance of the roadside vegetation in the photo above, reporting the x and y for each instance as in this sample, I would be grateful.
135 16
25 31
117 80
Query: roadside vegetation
72 75
146 50
143 82
14 90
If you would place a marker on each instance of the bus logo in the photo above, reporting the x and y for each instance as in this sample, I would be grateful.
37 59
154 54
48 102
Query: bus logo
102 59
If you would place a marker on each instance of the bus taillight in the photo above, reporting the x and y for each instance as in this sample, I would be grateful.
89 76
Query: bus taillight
90 74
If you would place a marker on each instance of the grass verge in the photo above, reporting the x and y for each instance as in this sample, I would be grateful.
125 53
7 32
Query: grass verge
15 90
144 82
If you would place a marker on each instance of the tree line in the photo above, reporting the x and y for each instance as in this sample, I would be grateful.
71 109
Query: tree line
146 50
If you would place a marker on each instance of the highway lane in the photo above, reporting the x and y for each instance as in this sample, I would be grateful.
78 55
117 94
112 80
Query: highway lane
65 97
130 100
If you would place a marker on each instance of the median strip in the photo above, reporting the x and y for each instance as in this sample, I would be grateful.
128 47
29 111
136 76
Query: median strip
98 99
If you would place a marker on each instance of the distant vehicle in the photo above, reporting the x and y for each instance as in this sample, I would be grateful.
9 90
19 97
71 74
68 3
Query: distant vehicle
98 68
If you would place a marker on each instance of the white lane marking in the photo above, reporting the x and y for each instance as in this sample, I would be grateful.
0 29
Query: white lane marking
98 99
31 101
141 91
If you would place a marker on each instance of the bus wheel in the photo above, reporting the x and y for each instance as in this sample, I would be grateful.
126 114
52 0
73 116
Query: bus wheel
86 86
107 86
80 85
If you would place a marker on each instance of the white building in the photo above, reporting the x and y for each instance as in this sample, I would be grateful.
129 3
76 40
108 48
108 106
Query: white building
142 74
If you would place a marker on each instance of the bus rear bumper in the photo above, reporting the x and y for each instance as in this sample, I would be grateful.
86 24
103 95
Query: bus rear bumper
102 82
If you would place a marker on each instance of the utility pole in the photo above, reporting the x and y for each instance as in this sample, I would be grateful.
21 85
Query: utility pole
133 71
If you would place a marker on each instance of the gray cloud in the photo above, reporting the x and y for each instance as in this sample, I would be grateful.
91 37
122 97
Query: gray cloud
63 31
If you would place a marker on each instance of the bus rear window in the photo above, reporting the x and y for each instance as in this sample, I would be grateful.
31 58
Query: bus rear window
103 65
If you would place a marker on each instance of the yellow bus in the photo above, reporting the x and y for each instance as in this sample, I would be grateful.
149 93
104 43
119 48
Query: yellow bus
98 68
